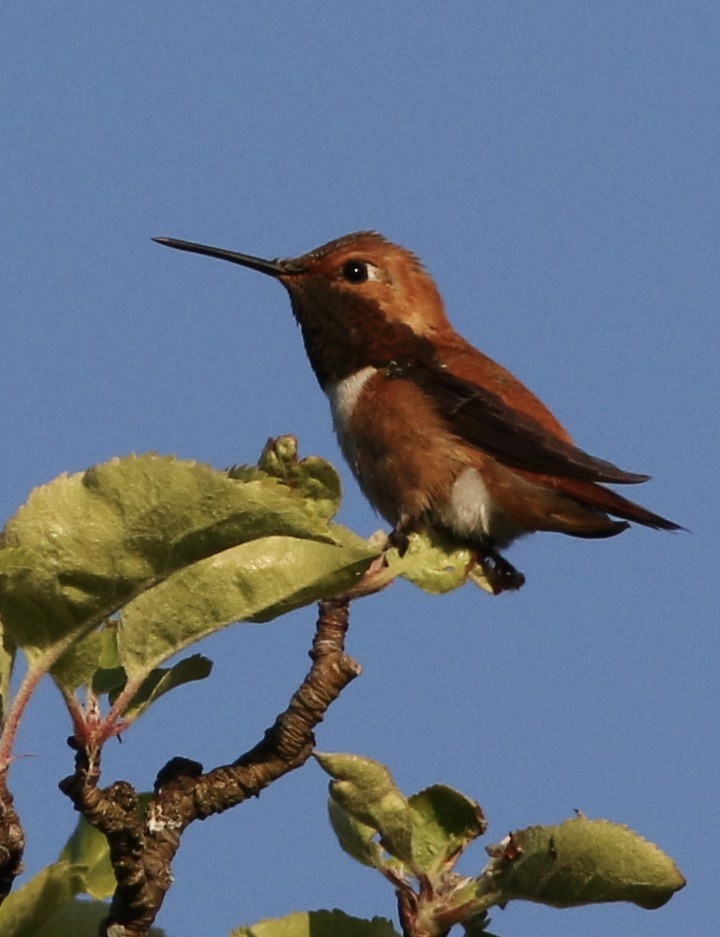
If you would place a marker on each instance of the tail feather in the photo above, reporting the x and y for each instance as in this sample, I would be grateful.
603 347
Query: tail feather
610 502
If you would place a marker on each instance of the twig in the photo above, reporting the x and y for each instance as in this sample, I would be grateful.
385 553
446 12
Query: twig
142 847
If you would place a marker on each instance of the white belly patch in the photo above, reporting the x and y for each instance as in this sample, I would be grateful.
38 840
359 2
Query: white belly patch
471 511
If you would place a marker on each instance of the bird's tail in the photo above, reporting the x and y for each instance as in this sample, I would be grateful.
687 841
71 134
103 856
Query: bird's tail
610 502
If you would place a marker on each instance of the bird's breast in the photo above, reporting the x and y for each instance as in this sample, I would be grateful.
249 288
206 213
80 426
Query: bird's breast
408 463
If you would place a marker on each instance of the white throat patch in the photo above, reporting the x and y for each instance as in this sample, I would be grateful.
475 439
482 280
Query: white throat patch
343 396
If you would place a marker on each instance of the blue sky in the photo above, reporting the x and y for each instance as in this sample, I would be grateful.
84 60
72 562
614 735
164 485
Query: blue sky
556 167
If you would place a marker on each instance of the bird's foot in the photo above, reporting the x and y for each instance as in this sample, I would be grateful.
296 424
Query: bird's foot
499 573
399 537
502 576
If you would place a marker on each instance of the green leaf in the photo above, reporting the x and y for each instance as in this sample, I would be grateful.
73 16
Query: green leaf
80 918
85 544
256 581
95 661
444 823
163 679
433 562
35 903
357 839
87 849
313 478
477 926
365 790
318 924
582 861
80 662
13 558
177 595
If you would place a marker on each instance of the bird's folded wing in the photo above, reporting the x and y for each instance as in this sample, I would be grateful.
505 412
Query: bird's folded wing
508 435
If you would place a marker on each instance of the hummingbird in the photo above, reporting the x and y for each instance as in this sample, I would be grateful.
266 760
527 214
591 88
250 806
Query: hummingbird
439 436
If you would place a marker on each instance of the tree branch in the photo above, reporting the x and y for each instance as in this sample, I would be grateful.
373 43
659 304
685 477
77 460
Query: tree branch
142 847
12 840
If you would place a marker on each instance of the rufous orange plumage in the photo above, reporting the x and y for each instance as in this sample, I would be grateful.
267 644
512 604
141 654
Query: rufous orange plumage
438 435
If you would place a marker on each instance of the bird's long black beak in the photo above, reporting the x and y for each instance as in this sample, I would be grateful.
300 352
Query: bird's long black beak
273 268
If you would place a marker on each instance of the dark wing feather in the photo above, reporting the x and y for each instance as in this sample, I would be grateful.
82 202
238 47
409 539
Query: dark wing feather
513 438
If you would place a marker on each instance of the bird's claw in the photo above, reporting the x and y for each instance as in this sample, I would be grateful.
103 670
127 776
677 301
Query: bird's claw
502 575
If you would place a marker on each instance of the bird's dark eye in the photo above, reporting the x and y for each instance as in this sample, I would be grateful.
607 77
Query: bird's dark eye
355 271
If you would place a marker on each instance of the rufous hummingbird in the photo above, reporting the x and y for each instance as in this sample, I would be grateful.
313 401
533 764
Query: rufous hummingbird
438 435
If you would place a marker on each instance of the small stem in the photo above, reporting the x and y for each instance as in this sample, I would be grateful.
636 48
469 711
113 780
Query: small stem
12 837
77 714
35 673
111 724
15 713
